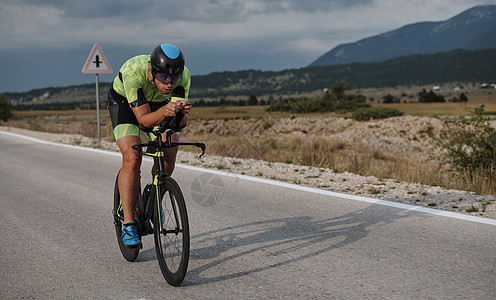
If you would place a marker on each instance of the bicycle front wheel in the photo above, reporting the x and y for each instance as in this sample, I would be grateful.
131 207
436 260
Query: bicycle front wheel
171 232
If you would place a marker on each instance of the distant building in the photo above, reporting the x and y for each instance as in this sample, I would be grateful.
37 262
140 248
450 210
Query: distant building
436 88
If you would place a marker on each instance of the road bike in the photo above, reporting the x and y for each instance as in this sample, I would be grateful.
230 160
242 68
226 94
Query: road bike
162 204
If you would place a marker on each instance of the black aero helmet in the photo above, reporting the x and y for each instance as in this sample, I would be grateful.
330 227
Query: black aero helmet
167 59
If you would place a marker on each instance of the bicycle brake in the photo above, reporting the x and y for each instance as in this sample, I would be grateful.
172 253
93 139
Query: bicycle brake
202 147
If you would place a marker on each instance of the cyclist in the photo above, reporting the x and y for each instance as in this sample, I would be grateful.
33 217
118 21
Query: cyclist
147 89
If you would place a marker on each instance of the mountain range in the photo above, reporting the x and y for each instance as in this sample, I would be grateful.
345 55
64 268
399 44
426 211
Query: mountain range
472 29
458 66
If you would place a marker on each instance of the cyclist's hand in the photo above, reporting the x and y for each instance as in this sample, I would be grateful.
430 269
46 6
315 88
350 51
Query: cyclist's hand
187 107
184 106
171 109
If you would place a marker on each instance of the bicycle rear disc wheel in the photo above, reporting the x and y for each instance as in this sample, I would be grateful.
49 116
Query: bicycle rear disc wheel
129 254
172 237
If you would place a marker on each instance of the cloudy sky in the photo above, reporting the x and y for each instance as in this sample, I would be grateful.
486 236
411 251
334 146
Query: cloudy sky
45 43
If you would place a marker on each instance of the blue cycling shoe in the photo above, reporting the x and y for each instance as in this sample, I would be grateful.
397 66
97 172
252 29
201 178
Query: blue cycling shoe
130 236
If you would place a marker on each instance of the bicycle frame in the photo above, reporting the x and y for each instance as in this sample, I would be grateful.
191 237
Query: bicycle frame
159 162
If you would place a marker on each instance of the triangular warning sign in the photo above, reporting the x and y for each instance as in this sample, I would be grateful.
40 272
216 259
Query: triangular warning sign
96 62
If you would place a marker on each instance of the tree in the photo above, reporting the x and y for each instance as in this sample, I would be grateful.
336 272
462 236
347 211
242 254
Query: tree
200 102
388 99
430 96
462 98
5 108
252 100
339 88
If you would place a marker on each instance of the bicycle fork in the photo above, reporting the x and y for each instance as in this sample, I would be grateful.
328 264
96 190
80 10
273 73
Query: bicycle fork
157 180
160 182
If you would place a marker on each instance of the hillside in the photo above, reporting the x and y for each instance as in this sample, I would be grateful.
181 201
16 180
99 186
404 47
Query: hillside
70 97
470 30
456 66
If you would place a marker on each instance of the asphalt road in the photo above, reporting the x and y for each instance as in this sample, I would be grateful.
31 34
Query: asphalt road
249 239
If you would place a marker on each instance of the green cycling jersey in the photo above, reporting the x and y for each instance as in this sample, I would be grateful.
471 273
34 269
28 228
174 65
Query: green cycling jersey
133 83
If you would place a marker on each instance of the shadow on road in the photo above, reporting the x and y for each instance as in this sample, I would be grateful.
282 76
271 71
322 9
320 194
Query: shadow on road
274 243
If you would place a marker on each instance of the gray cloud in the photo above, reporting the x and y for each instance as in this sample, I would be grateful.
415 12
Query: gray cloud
90 8
217 10
215 35
59 23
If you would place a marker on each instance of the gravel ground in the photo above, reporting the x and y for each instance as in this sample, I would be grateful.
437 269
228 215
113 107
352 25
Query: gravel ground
391 190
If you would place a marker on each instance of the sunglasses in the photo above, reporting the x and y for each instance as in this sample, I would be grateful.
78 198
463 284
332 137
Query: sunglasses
164 78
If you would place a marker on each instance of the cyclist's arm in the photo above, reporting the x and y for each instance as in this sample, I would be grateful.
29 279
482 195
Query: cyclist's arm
147 118
150 119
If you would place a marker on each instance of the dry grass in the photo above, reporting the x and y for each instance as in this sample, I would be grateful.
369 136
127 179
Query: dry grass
82 122
340 156
439 109
226 112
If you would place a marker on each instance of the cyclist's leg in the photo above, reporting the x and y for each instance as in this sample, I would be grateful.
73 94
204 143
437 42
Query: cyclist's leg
171 153
129 175
126 132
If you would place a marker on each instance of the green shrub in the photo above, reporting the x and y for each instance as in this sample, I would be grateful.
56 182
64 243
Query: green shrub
5 108
470 146
365 114
335 101
429 97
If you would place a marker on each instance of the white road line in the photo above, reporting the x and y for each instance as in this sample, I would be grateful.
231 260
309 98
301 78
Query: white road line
291 186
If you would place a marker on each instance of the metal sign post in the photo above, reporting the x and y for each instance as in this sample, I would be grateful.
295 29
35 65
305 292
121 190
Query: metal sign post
97 63
98 109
